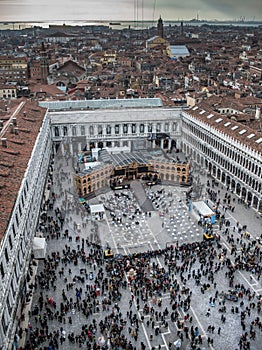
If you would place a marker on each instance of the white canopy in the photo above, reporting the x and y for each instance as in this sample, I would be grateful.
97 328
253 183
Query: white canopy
39 247
202 209
97 211
97 208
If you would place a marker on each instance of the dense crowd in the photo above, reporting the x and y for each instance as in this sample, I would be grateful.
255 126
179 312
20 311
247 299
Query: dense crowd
101 286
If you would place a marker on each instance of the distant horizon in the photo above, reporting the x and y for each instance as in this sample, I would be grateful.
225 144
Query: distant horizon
129 10
187 20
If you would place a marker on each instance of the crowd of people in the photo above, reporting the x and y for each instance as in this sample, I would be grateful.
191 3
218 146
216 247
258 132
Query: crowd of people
129 301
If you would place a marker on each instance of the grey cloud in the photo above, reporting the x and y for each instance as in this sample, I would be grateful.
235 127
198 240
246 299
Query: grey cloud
213 8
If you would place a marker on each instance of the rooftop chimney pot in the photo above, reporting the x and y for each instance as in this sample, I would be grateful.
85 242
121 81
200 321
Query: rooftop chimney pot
11 128
3 141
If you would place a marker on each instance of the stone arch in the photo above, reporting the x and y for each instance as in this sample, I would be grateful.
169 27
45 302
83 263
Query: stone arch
218 174
243 193
198 158
255 202
238 189
228 180
249 197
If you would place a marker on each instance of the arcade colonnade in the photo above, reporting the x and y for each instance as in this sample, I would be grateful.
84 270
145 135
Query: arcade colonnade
230 162
97 135
86 129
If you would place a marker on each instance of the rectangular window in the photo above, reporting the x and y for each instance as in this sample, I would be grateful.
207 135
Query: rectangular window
2 270
17 269
133 128
9 307
4 324
19 260
73 130
12 287
22 246
56 131
83 130
6 255
150 127
125 129
10 242
13 230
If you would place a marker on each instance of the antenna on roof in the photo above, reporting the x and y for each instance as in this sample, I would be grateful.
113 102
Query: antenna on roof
154 9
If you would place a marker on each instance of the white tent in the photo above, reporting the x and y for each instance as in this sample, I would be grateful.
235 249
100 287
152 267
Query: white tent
39 247
201 210
97 211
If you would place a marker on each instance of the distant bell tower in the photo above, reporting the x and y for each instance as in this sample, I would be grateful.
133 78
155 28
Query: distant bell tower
182 28
44 65
160 28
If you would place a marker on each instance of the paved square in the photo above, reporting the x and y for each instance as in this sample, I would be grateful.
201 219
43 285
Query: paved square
165 286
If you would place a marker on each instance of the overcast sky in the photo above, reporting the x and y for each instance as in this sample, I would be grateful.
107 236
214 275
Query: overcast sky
87 10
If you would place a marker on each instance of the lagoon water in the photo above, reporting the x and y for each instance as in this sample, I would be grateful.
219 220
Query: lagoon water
124 24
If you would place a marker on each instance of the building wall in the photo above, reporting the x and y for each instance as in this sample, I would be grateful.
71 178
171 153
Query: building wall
93 181
115 128
16 246
104 175
225 158
8 92
13 69
234 164
172 172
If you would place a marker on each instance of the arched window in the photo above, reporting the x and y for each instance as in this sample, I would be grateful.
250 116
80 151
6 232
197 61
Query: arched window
117 129
108 129
99 129
83 131
56 131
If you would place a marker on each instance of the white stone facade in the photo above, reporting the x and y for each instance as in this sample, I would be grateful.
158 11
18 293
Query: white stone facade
16 246
231 162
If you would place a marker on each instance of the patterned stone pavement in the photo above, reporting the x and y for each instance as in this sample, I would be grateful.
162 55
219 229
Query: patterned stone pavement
128 229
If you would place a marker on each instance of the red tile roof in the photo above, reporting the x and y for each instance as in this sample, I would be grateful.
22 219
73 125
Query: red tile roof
239 132
20 140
